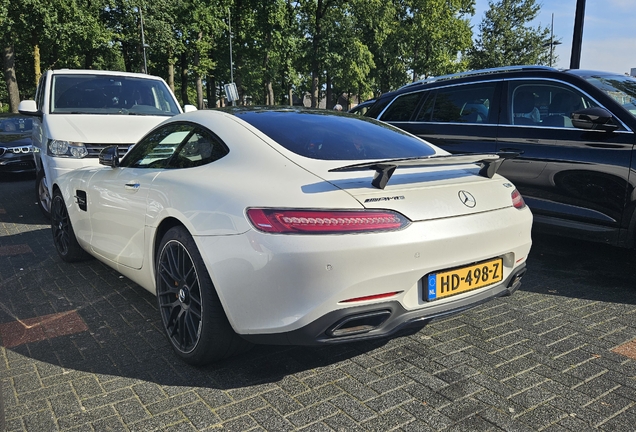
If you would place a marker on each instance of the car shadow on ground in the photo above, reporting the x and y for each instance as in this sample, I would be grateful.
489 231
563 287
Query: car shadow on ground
585 270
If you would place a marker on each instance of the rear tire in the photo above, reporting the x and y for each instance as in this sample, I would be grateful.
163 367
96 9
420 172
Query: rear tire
42 194
191 312
63 235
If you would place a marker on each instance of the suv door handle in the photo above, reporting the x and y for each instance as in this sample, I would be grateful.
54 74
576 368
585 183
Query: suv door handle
511 150
131 186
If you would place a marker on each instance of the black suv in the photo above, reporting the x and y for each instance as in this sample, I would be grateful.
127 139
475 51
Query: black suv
574 131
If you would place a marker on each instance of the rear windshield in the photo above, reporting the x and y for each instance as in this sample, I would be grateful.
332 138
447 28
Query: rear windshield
110 94
329 136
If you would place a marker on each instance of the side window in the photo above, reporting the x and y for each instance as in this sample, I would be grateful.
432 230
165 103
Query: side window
402 107
199 149
39 94
176 145
460 104
544 104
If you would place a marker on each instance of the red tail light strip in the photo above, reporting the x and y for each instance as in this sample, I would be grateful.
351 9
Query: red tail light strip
286 221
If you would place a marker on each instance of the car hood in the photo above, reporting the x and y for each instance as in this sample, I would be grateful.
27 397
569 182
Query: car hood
101 129
15 139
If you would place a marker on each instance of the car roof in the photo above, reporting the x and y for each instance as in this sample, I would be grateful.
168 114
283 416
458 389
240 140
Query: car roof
501 72
102 72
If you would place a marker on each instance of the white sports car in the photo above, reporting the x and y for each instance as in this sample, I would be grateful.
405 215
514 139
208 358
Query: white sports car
287 226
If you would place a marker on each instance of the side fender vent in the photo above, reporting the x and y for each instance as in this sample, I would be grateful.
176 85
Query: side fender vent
80 199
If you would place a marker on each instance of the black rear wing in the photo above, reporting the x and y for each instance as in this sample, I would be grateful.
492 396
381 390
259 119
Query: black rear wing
384 169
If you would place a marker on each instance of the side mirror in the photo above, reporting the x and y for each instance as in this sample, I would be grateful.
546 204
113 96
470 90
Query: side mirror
594 118
109 157
28 108
189 108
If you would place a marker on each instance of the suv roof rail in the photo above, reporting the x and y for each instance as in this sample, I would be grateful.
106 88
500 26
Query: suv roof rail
481 72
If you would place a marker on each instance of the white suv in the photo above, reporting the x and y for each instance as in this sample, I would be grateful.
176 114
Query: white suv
79 112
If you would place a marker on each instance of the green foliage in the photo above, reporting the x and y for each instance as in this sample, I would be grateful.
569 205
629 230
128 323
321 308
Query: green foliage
507 39
352 47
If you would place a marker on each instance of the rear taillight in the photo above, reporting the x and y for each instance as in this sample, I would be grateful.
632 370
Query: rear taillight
517 200
284 221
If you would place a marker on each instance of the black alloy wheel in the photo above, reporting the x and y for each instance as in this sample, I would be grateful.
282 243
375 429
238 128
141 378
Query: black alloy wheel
191 312
63 235
180 296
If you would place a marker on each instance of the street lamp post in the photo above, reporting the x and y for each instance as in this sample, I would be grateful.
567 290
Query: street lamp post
552 42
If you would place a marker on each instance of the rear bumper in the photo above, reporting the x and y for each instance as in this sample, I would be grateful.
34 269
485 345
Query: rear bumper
380 319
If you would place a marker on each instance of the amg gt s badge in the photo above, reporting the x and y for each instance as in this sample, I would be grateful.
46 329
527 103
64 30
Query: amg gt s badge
467 199
393 198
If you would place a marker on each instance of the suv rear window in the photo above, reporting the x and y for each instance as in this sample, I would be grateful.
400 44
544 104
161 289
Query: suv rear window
327 136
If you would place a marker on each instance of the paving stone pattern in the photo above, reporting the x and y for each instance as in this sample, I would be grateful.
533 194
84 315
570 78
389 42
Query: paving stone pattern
541 360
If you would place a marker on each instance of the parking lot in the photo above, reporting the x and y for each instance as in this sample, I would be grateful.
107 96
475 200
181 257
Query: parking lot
82 350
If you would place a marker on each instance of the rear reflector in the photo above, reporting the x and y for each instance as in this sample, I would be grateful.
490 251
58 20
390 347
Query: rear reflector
285 221
371 297
517 200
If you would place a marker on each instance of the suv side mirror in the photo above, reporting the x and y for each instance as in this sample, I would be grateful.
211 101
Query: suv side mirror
109 156
189 108
29 108
594 118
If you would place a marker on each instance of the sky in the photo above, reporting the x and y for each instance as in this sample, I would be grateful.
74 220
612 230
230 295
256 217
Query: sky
609 32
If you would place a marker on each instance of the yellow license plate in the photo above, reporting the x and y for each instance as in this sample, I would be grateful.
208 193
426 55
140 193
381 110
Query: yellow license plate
464 279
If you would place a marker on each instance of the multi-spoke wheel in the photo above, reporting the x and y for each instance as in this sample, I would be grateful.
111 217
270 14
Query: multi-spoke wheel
63 234
191 311
42 194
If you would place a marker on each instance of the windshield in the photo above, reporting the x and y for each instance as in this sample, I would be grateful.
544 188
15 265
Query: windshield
110 94
620 87
327 136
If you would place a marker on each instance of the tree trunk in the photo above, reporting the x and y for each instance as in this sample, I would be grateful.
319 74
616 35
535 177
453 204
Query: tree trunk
36 63
10 79
316 64
184 79
210 86
329 102
290 94
199 80
171 76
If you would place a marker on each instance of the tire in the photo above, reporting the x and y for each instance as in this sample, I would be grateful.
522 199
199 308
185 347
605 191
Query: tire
63 235
191 312
42 195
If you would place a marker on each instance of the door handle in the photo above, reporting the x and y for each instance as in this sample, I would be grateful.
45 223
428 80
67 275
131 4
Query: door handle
131 186
511 150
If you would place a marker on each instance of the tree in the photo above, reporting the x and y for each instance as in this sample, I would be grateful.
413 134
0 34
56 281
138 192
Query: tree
380 24
507 39
436 32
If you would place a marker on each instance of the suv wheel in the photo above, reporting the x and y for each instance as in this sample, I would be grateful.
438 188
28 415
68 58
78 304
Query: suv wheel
42 194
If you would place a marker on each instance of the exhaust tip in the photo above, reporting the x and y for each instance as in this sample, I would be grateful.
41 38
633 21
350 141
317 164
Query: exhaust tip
358 324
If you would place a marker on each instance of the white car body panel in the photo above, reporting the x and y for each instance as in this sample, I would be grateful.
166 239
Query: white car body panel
276 283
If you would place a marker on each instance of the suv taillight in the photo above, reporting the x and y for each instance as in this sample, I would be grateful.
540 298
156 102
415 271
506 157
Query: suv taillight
289 221
517 200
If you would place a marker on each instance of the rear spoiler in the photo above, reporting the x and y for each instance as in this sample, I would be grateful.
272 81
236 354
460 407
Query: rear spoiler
384 169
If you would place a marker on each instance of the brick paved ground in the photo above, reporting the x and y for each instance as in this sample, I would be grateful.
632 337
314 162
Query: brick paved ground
82 350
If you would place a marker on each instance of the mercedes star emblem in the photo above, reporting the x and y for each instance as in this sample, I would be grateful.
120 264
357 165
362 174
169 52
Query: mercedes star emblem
467 199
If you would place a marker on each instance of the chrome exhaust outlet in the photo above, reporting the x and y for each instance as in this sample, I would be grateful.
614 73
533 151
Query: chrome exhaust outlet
357 324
